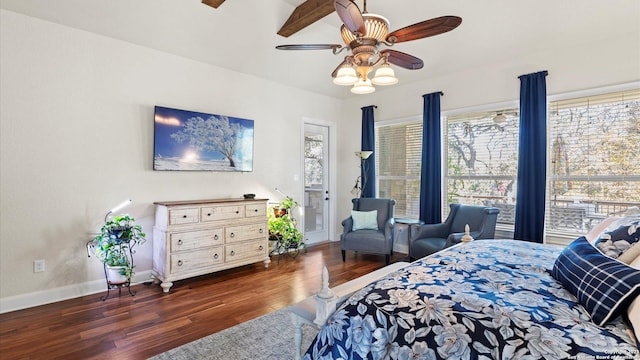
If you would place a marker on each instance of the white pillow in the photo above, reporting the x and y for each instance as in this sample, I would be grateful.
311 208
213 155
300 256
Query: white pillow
630 254
633 311
364 220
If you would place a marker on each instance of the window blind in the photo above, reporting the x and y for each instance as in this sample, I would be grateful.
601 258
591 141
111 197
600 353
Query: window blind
482 157
593 159
399 157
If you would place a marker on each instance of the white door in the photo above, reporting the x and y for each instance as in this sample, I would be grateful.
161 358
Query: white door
316 183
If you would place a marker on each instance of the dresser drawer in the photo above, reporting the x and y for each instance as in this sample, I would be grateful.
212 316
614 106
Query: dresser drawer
245 232
188 261
213 213
183 216
255 210
242 251
196 239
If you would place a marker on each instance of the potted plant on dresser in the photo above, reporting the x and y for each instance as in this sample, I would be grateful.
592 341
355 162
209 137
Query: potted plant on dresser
114 247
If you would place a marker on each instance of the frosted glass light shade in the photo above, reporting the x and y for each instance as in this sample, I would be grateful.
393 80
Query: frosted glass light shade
363 87
346 76
384 76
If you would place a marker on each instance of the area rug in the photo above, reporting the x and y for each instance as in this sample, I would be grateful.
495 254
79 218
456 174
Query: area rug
269 337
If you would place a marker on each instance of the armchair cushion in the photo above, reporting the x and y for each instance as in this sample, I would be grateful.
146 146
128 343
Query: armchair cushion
364 220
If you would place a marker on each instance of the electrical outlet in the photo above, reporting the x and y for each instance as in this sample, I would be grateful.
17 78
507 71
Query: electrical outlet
38 265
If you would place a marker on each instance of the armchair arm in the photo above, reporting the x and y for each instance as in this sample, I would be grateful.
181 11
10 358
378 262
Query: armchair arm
428 231
455 238
347 225
388 229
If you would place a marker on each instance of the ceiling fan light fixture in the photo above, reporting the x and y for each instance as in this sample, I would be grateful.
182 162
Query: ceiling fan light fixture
346 76
499 118
384 75
363 87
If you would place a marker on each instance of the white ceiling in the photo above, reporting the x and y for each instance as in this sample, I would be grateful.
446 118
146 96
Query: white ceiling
241 34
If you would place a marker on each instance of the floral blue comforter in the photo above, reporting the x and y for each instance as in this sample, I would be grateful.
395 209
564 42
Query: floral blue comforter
489 299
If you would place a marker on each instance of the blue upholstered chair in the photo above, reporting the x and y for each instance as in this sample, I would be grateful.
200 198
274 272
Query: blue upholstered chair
377 235
429 238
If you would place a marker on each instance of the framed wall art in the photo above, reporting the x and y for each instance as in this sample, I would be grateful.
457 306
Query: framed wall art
193 141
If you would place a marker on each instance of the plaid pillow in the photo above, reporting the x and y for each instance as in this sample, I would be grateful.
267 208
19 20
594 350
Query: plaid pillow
604 286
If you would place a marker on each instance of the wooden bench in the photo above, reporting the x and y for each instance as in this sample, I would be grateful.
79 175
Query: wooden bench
316 309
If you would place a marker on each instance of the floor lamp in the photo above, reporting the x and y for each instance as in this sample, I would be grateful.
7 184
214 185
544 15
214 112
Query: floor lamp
363 155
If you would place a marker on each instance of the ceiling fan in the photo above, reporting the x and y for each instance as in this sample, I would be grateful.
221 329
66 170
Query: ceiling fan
364 34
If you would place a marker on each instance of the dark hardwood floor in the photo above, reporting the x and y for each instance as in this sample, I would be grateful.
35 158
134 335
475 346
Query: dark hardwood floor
151 322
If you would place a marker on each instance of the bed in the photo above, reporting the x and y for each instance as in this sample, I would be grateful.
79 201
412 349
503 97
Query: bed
490 299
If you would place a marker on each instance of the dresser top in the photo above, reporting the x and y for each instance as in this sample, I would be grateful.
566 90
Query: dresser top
209 201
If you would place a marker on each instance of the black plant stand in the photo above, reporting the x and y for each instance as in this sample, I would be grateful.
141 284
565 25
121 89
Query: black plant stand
110 286
127 284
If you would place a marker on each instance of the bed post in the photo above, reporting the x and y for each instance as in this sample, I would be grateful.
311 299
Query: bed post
325 300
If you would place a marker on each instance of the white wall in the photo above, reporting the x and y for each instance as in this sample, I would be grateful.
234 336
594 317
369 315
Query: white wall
612 59
76 138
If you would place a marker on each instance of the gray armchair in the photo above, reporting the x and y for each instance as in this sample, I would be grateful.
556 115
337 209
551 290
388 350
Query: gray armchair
430 238
366 240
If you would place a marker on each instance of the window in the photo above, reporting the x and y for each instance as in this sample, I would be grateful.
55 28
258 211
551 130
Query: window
593 154
398 158
481 152
592 172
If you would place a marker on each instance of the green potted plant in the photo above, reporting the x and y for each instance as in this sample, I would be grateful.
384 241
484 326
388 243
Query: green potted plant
114 247
282 226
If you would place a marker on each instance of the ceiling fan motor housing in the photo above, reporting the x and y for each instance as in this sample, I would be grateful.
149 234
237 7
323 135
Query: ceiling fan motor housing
377 27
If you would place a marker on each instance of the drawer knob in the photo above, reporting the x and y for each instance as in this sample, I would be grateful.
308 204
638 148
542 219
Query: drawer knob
208 214
179 262
233 252
260 248
215 256
260 231
255 210
215 237
237 211
232 235
180 242
184 216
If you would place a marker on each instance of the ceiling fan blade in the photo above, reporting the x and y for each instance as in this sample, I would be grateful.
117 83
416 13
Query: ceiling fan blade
213 3
425 29
309 47
403 60
335 72
350 15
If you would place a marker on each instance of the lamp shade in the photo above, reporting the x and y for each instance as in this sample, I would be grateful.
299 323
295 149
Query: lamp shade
384 76
364 154
363 87
346 76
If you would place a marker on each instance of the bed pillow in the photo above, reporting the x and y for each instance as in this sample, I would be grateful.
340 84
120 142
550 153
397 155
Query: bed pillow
604 286
600 228
364 220
630 255
619 237
633 312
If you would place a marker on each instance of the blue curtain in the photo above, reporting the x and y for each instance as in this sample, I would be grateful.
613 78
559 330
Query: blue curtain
431 173
532 158
368 170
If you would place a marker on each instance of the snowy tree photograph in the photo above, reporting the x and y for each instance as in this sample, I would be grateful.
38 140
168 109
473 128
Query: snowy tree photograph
188 140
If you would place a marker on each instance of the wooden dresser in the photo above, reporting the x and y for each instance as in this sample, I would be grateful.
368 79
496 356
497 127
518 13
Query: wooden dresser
192 238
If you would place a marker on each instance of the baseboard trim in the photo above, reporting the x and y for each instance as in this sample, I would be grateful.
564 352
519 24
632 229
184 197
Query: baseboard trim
38 298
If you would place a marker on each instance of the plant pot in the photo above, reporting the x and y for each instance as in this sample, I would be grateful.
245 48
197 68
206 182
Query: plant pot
279 212
115 276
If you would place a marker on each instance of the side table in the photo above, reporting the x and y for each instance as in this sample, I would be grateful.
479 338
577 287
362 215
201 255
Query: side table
401 234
